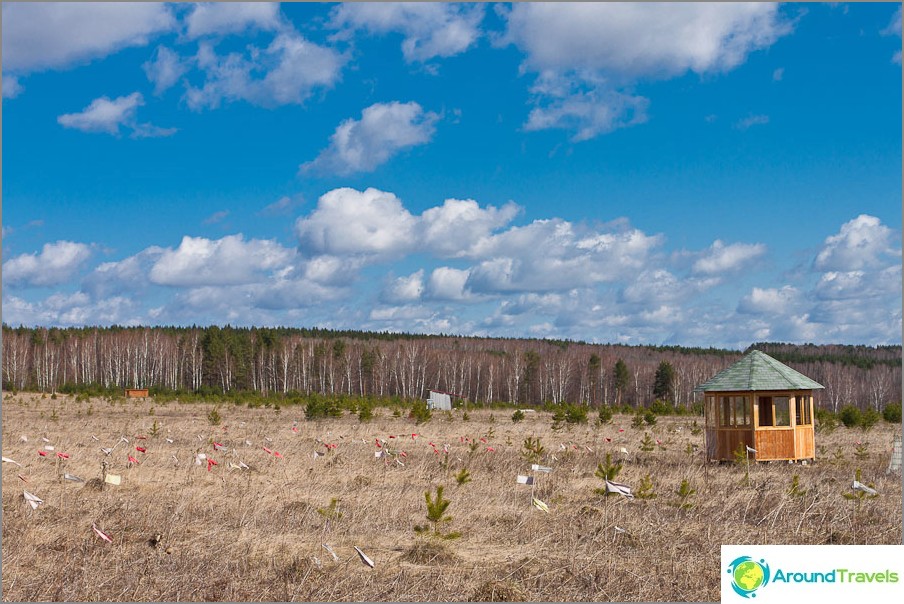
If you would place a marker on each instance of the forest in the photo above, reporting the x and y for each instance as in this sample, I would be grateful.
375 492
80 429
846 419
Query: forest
481 370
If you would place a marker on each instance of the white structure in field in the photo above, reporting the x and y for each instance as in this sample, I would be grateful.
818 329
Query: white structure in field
439 400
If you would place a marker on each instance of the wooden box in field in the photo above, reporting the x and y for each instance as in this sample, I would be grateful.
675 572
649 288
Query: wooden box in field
136 393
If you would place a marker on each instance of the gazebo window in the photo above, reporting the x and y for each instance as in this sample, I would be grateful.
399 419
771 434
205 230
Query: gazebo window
710 411
803 410
782 410
766 417
734 411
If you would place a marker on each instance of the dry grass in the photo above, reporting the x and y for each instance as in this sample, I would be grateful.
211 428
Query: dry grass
257 534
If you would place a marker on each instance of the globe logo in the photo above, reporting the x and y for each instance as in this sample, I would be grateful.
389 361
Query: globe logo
748 575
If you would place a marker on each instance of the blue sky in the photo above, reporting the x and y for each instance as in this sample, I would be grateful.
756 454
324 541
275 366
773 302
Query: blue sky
697 174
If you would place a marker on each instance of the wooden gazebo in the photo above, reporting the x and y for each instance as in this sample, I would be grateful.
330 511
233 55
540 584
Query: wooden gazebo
759 403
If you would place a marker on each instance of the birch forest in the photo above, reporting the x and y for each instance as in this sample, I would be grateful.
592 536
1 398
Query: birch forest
284 361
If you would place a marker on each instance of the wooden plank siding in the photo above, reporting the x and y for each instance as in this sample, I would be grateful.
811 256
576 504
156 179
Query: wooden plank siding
772 443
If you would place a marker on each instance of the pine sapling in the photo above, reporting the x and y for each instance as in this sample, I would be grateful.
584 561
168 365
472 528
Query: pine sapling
436 515
685 492
463 476
609 472
645 489
647 444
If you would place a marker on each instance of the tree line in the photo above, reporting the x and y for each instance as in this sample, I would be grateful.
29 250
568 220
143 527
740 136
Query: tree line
357 363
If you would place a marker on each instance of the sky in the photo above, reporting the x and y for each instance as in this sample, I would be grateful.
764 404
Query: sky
679 174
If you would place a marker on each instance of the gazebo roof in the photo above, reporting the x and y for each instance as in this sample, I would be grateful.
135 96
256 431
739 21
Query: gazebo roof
758 371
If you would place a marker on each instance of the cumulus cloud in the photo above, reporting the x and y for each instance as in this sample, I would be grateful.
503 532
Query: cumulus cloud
75 309
770 301
56 264
107 116
856 295
218 18
384 130
549 255
430 29
347 221
227 261
656 286
448 283
11 87
292 69
165 69
57 35
587 54
721 258
404 289
456 227
122 276
863 242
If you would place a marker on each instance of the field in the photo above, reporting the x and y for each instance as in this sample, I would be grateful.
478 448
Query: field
183 531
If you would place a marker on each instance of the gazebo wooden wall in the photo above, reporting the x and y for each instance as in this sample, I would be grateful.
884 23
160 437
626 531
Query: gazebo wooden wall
795 441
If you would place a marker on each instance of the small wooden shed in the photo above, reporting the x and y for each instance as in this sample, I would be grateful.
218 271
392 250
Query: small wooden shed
136 392
763 404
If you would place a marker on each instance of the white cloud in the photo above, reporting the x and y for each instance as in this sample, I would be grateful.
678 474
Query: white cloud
349 222
634 40
11 87
752 120
221 18
106 116
549 255
863 242
129 275
721 258
227 261
57 35
56 264
894 29
165 69
431 29
455 227
404 289
588 113
216 217
656 286
384 130
103 114
587 54
292 69
771 301
448 283
282 206
859 285
75 309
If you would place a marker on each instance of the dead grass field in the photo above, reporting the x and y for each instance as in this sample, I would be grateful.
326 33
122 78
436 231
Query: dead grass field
255 534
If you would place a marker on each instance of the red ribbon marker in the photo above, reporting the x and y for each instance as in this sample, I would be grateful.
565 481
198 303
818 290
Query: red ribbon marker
491 449
42 453
210 464
133 460
63 455
278 454
101 534
141 449
268 450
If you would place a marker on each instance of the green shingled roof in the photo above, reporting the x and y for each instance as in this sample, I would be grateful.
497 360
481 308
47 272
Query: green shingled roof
758 371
